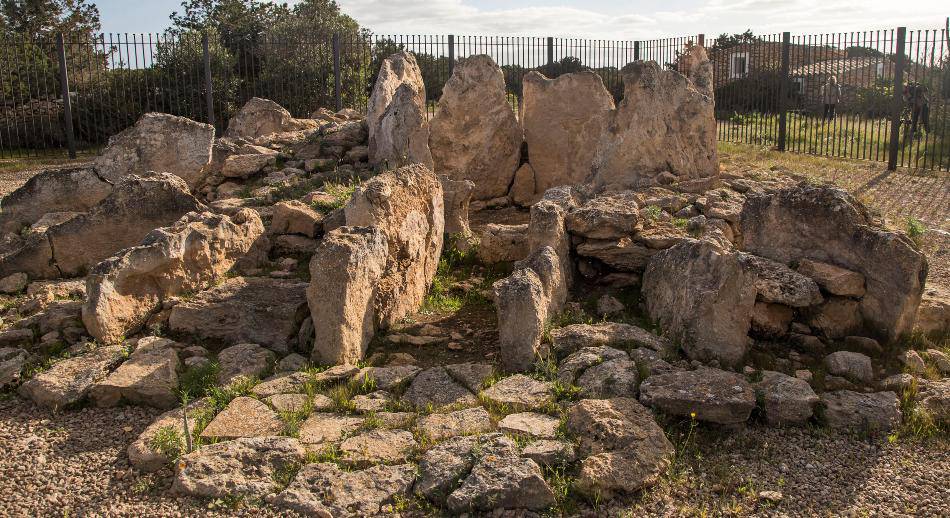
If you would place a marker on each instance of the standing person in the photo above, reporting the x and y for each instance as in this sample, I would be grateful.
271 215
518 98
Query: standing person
830 96
917 97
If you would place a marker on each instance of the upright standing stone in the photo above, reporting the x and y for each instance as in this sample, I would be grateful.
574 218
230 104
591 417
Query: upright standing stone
564 119
406 205
664 124
344 277
396 115
475 135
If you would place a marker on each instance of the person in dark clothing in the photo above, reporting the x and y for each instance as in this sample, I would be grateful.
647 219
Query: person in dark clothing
918 100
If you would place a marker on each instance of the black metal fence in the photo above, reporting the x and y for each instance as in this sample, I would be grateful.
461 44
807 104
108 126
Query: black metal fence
890 100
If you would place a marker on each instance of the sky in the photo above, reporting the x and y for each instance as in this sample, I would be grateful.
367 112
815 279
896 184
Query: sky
601 19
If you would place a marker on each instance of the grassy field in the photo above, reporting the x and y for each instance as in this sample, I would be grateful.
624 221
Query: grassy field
848 136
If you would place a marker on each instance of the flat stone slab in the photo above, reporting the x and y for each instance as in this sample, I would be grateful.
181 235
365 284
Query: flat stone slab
320 429
281 384
573 337
446 465
323 489
372 402
550 453
520 393
501 482
531 424
243 360
580 360
436 387
244 466
149 377
612 378
471 375
387 378
378 447
244 310
858 412
713 395
290 402
439 427
244 417
68 381
786 400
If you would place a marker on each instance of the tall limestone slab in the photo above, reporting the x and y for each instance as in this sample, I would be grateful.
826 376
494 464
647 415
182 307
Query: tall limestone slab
396 115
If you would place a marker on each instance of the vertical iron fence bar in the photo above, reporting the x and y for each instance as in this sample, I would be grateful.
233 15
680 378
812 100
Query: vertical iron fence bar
209 94
636 50
894 143
451 54
337 83
67 105
550 45
783 91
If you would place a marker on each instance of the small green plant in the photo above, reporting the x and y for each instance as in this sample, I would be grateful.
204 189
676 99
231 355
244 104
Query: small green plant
680 223
284 475
168 441
198 380
340 194
654 212
915 229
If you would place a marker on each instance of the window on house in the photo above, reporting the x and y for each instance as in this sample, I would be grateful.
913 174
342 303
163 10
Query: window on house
798 85
739 65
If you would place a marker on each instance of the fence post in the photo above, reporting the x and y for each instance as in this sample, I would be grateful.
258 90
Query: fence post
701 40
451 54
209 94
636 51
67 103
550 50
337 92
894 143
783 92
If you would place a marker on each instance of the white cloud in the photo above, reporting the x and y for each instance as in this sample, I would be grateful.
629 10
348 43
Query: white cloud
710 17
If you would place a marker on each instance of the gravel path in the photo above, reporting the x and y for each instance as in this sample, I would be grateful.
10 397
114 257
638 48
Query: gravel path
75 462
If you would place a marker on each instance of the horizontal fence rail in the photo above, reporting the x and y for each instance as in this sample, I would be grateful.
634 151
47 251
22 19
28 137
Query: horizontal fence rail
889 101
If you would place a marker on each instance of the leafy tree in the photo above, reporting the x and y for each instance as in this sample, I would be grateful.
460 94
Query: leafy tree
725 41
40 18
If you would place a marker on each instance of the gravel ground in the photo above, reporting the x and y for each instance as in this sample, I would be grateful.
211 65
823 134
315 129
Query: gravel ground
75 463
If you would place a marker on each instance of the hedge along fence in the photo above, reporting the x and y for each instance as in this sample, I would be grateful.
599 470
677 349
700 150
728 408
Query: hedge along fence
767 87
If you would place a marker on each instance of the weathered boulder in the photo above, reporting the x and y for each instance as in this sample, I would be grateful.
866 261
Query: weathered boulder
770 321
522 313
856 412
396 115
471 375
625 449
259 117
243 361
324 489
524 191
185 257
295 217
244 467
501 482
456 196
576 336
344 275
837 317
564 119
713 395
577 362
12 361
828 225
854 366
247 165
499 242
934 399
149 377
778 284
68 189
475 134
786 400
162 143
612 378
244 310
136 206
834 280
606 217
933 316
550 453
623 254
703 297
68 381
406 205
663 124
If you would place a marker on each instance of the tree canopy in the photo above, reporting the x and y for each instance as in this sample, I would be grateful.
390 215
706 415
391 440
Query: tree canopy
46 17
